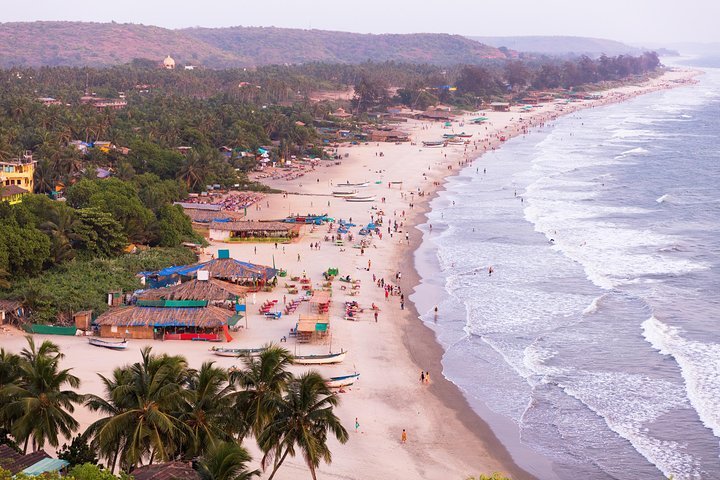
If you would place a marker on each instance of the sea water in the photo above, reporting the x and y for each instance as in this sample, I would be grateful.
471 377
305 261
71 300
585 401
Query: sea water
598 333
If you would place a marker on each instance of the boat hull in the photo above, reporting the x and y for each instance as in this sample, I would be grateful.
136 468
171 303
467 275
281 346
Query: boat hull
109 345
319 359
338 382
237 352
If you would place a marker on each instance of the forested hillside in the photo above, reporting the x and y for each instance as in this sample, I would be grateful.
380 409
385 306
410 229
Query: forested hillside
107 44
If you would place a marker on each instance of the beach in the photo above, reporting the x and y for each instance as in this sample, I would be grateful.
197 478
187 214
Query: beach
445 437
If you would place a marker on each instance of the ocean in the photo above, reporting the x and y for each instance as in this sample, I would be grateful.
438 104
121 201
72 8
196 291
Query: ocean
596 338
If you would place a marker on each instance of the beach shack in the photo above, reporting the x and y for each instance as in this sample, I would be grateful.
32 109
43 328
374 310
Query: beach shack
165 320
500 106
312 328
245 230
392 136
222 268
10 311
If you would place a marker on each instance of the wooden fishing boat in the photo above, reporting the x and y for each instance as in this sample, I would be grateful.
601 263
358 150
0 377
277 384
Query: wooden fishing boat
237 352
368 198
344 381
355 185
344 193
465 135
319 359
440 143
98 342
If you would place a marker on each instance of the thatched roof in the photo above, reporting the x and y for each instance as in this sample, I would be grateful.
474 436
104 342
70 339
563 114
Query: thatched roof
253 226
222 268
211 290
231 269
133 316
205 216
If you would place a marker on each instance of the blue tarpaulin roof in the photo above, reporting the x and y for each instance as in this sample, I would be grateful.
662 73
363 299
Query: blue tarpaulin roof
46 465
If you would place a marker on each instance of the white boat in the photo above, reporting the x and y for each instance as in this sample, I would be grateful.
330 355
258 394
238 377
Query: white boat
98 342
344 381
355 185
368 198
437 144
343 193
319 359
237 352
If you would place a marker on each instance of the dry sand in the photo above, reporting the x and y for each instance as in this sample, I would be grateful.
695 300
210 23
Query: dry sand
446 439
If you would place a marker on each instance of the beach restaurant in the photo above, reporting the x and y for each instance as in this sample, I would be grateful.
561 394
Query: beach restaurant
222 268
227 231
166 320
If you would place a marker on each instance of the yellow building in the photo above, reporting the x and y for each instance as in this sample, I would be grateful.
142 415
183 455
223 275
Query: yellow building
18 172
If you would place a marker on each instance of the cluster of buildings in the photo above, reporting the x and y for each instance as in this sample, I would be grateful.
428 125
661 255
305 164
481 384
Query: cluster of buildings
191 302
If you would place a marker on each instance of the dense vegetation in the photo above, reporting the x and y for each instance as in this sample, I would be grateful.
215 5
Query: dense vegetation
159 409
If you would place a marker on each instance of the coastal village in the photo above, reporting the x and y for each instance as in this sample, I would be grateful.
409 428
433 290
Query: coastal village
322 265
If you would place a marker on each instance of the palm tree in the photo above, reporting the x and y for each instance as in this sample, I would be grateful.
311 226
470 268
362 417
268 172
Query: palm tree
303 420
226 461
61 226
9 374
41 409
115 403
141 407
206 411
262 383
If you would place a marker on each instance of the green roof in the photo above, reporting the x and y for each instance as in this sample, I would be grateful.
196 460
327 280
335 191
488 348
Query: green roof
232 321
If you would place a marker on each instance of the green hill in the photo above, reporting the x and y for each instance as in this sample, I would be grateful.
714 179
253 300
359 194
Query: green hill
561 45
105 44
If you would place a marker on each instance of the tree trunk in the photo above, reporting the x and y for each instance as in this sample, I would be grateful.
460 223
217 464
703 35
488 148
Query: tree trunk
27 440
277 465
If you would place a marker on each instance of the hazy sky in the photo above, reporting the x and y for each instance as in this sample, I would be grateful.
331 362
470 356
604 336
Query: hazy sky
635 21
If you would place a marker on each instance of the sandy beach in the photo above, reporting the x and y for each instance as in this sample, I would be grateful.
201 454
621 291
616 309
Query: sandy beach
446 438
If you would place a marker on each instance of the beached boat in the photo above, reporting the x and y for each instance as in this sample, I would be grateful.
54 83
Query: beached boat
237 352
98 342
343 193
344 381
368 198
319 359
354 185
440 143
465 135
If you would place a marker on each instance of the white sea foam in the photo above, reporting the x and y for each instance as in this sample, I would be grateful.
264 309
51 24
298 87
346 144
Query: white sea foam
700 366
663 199
594 305
632 133
628 403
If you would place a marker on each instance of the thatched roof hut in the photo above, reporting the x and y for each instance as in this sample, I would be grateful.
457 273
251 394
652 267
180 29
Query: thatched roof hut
211 290
133 316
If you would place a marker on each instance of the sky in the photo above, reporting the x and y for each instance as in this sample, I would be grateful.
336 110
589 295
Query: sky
643 22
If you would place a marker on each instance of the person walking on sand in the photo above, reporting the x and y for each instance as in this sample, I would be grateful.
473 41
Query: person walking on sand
376 316
427 377
422 376
298 257
357 425
403 437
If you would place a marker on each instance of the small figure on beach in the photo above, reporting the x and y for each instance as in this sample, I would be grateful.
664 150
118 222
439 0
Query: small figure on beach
403 437
427 377
357 424
298 257
376 316
422 376
490 270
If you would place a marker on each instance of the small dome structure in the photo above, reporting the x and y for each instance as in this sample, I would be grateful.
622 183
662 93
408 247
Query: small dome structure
169 63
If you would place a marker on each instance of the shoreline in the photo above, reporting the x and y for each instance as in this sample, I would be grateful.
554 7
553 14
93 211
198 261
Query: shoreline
447 438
